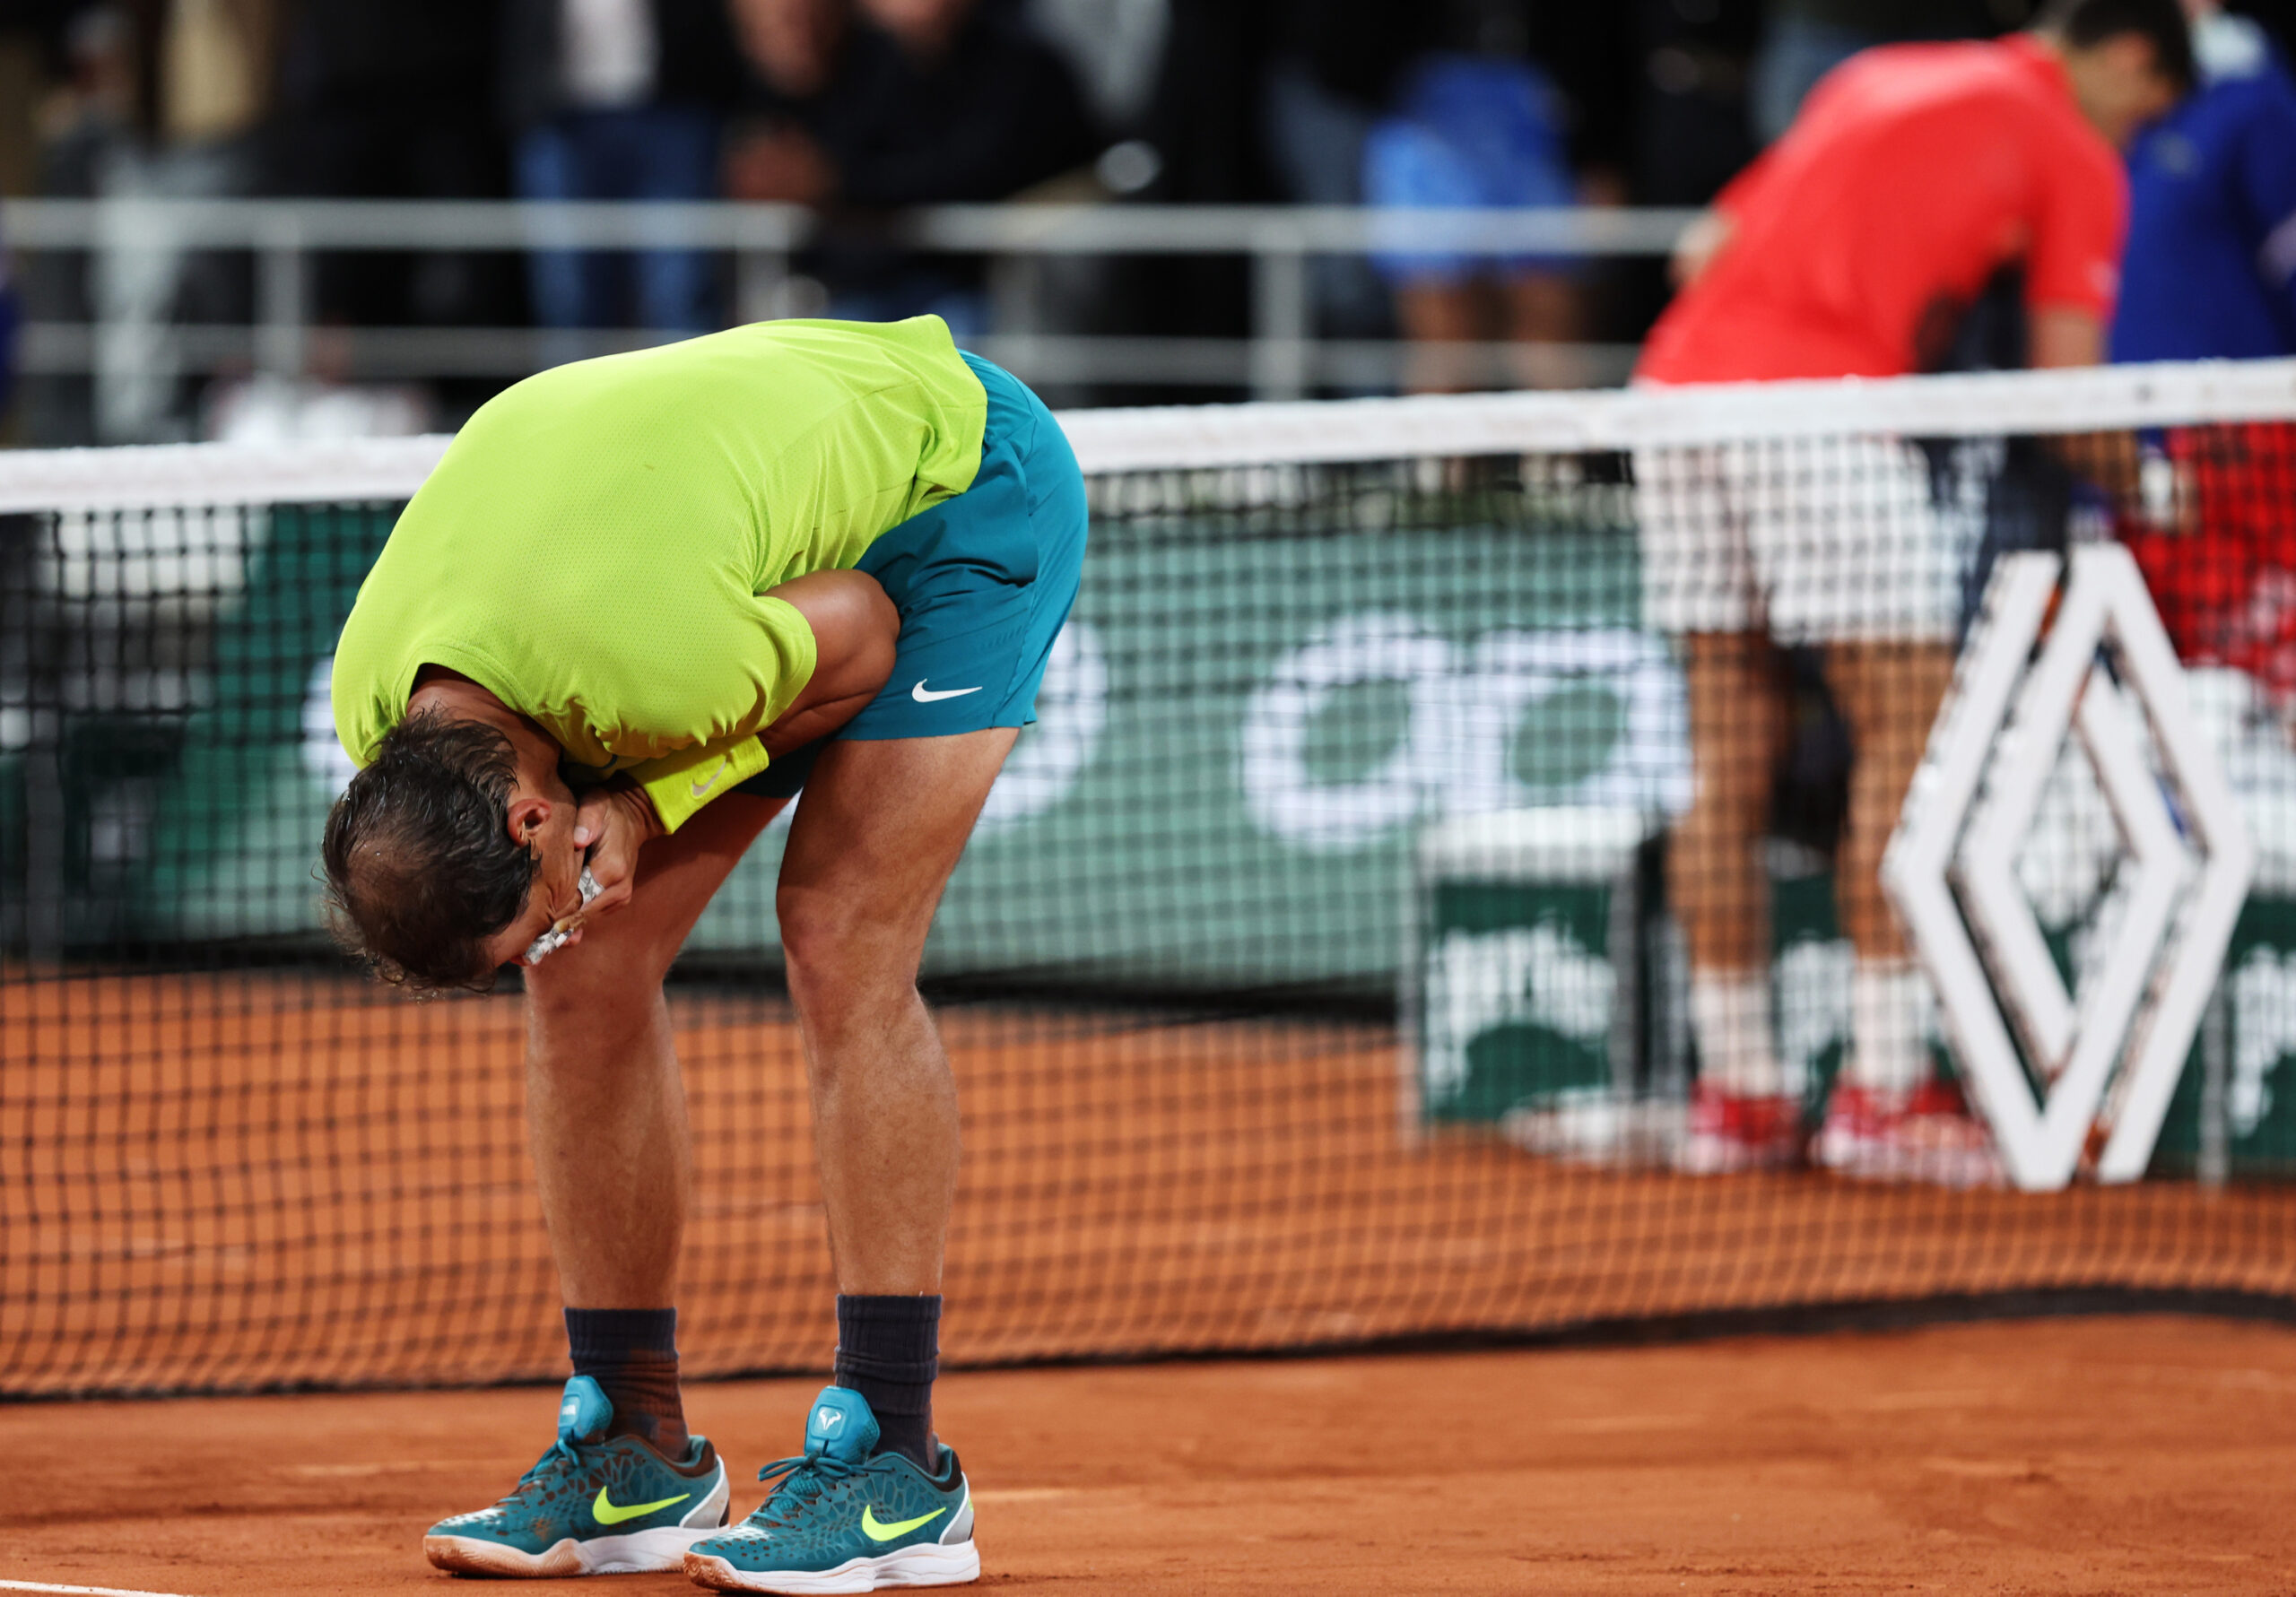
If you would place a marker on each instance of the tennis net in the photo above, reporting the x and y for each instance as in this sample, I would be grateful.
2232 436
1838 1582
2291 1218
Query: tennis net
1443 895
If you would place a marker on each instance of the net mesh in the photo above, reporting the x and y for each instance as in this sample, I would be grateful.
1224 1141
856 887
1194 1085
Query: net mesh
1349 952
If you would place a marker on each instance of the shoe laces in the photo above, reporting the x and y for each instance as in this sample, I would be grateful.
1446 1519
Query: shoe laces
561 1457
808 1478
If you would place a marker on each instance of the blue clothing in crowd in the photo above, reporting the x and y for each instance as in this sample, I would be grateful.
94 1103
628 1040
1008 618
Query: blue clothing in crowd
2210 265
10 315
1468 132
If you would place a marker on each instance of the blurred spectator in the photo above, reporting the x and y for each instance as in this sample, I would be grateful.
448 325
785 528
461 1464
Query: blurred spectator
2210 272
1469 103
1113 46
390 100
1203 124
275 409
1332 75
162 101
31 35
2211 267
1849 249
1686 83
11 320
899 102
1474 125
618 100
1690 75
1807 39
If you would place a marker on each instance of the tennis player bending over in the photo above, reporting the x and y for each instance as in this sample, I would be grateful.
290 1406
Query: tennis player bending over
640 601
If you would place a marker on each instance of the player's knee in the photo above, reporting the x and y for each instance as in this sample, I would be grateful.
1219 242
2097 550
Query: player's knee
568 996
836 953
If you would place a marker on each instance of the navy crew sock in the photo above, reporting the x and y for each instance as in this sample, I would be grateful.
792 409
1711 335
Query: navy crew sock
889 1349
633 1354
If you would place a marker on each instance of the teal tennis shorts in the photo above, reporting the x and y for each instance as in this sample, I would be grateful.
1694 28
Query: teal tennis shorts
983 583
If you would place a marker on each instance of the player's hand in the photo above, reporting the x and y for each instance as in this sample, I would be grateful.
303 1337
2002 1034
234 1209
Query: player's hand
612 824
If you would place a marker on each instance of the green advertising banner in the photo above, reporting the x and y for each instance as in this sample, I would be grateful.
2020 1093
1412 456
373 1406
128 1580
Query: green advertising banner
1246 724
1238 736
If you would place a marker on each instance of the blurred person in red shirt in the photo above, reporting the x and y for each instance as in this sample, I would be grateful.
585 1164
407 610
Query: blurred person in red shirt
1853 246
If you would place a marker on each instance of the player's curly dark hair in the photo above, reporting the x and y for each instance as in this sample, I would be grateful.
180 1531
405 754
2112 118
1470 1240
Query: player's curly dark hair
421 866
2160 23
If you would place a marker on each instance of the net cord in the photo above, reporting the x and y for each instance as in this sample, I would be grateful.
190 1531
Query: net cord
1183 437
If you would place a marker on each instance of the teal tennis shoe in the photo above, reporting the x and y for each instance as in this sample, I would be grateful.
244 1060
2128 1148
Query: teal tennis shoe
846 1518
590 1505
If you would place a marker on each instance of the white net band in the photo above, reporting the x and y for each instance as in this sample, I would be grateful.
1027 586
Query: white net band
1206 437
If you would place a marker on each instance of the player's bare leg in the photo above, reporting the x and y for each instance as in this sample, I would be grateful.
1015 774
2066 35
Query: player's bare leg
606 1107
1739 712
1738 719
1546 320
1889 694
882 827
1887 1117
607 1118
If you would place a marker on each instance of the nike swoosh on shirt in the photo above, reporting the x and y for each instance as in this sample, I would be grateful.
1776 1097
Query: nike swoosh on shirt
700 788
924 695
606 1513
877 1530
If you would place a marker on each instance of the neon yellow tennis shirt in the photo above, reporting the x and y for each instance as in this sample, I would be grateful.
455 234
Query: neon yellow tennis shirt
594 547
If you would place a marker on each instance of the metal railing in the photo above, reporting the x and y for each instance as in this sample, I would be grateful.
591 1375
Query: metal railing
1281 357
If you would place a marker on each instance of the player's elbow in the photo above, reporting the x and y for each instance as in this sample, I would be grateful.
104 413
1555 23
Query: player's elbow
854 642
855 628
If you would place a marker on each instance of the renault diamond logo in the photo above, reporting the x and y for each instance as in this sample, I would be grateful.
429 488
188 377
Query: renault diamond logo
2008 715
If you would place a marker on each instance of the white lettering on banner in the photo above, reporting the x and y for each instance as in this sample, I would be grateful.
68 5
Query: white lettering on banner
1279 792
1812 980
1072 712
2263 1034
1456 756
1477 981
323 756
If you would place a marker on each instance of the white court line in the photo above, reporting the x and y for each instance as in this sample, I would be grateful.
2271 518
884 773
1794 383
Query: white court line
41 1585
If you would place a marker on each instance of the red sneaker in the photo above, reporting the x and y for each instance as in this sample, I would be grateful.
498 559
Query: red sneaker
1728 1135
1926 1136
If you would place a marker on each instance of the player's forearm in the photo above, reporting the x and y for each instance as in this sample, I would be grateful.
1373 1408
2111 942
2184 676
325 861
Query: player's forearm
2061 337
855 630
2064 337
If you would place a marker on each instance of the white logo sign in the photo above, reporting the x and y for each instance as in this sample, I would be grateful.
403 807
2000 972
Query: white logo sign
1478 982
1970 807
828 1420
323 757
1466 704
2263 1034
1072 712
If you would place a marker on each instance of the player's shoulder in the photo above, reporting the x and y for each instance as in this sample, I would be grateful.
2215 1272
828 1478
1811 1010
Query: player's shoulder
1957 68
1992 89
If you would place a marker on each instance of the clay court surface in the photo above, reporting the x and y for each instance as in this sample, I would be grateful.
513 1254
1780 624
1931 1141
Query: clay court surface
254 1181
251 1180
2122 1455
